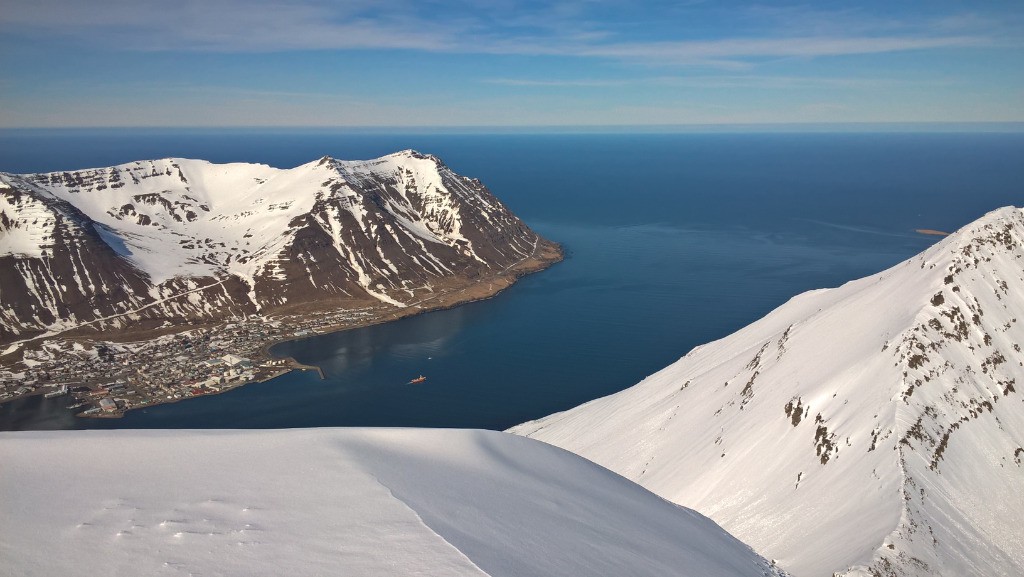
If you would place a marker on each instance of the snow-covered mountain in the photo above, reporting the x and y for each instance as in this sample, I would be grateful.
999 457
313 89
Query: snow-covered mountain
187 239
872 429
339 502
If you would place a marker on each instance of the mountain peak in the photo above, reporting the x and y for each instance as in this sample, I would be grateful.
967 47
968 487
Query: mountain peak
410 153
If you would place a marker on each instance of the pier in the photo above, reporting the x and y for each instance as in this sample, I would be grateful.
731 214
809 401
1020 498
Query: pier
290 362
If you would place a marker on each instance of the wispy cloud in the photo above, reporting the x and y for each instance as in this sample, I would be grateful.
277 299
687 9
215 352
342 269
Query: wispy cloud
464 62
230 25
724 81
738 51
488 28
555 83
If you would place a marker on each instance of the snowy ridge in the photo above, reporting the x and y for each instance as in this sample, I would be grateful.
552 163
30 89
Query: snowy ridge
872 429
383 230
339 502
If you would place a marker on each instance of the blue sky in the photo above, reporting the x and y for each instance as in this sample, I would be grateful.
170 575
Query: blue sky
505 63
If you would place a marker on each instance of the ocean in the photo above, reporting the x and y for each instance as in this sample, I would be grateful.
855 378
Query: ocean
671 240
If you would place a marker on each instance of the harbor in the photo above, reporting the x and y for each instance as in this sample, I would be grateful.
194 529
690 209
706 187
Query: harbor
212 359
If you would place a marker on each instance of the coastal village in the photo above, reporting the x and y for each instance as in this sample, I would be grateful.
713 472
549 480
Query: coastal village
195 307
105 378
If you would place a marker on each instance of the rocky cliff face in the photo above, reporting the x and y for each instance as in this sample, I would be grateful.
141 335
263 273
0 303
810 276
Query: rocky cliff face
178 240
872 429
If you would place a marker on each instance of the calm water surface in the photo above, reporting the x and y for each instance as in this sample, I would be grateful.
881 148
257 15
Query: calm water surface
672 241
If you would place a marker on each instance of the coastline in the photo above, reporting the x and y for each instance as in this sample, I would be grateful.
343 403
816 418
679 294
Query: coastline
448 303
305 322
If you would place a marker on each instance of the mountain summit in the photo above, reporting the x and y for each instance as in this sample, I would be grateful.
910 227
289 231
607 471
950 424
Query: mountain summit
173 240
876 428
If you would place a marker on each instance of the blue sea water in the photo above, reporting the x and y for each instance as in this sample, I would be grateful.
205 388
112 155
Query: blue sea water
672 240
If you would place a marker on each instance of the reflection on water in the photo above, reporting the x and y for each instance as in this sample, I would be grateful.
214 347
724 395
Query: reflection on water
360 351
38 413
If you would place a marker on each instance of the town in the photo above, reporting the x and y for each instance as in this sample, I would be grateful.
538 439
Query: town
107 378
108 374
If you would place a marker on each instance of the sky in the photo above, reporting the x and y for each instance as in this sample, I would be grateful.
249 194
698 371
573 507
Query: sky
392 63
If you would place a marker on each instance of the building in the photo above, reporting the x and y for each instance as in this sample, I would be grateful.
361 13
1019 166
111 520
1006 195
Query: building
237 362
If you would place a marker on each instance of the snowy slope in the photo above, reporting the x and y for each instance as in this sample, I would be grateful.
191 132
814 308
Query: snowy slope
387 230
875 428
338 502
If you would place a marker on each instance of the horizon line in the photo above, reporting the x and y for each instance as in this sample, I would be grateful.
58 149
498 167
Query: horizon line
1012 126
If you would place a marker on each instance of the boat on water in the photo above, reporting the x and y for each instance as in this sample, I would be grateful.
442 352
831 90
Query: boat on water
417 380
